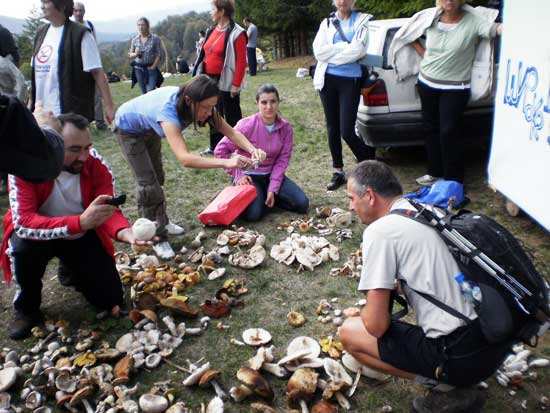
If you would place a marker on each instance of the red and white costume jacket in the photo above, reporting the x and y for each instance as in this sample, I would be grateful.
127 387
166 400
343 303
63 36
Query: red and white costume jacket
26 198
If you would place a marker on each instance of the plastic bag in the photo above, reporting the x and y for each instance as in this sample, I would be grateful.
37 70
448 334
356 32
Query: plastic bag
228 205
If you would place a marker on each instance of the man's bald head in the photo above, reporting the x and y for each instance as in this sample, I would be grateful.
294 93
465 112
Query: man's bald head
78 11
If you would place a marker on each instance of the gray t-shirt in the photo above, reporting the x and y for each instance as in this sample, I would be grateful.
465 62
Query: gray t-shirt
396 247
252 33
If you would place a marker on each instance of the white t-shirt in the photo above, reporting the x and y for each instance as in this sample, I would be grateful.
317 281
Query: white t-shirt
65 199
46 68
398 247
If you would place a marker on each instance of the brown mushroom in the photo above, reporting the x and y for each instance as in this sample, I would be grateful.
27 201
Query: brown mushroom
80 397
122 370
324 407
178 306
262 408
252 383
211 377
300 387
215 308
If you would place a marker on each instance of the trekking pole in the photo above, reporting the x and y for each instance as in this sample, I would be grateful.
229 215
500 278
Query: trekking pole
467 247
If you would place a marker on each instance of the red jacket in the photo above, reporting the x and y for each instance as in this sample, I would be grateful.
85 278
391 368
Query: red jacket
26 199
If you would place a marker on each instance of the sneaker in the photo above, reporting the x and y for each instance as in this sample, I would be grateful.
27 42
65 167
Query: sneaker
164 251
174 229
458 400
338 179
427 180
207 152
22 325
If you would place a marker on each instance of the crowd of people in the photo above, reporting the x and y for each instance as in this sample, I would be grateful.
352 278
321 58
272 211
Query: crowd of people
60 199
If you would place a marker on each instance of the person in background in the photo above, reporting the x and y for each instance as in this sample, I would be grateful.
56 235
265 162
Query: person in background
223 58
444 84
67 217
165 113
252 33
145 50
66 65
200 42
440 351
338 80
8 49
266 130
78 13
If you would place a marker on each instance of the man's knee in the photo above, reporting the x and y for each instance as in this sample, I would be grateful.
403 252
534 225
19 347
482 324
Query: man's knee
348 332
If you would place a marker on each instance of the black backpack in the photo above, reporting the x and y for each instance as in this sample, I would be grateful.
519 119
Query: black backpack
515 297
183 67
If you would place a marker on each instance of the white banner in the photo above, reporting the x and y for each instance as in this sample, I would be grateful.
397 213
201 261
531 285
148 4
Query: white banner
519 165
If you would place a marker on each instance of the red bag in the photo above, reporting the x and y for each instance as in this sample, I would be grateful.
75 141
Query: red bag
228 205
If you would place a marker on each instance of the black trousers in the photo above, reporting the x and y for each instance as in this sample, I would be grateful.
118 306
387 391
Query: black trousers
252 63
340 98
95 274
229 108
442 112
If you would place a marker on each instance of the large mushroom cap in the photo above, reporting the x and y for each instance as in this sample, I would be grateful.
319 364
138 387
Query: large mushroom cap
215 406
144 229
254 381
81 394
303 343
248 259
355 366
8 377
280 252
256 336
337 373
308 258
153 403
179 307
302 384
208 376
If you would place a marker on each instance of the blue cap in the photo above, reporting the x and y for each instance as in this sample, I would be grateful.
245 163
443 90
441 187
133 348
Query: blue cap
459 277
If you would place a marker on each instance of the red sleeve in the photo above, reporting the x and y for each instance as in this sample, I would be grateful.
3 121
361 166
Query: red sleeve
102 184
28 223
240 64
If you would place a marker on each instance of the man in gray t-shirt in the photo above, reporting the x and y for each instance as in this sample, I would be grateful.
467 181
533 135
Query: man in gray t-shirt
401 254
252 33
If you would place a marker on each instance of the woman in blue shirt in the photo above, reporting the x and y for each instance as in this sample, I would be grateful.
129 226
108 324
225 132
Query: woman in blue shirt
166 112
338 46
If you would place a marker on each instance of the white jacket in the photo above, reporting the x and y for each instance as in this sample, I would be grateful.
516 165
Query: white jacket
340 53
406 61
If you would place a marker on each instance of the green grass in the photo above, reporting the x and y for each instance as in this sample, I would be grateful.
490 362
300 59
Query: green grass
276 289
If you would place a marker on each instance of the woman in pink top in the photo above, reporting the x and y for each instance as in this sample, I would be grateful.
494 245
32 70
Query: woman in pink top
268 131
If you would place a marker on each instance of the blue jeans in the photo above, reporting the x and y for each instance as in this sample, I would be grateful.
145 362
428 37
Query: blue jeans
290 197
146 78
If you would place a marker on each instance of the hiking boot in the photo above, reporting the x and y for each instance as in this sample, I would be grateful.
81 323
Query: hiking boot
458 400
174 229
338 179
207 152
65 276
22 325
427 180
164 251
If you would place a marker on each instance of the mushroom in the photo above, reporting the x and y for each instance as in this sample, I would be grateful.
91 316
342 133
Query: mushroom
262 355
251 383
215 406
152 360
308 258
301 386
275 369
122 369
81 397
196 374
178 306
217 273
153 403
248 259
339 379
8 377
33 400
256 336
262 408
324 407
280 252
66 383
302 350
342 401
295 319
144 229
169 321
211 377
361 370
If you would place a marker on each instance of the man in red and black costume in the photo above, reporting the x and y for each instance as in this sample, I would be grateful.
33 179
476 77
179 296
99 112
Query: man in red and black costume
68 218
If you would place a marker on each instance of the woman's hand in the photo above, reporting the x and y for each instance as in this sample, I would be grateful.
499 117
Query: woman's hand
126 235
258 155
270 200
237 162
244 180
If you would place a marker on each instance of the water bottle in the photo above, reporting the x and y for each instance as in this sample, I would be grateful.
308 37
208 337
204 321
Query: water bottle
470 290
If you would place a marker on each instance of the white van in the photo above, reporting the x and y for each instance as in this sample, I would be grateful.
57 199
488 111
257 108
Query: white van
391 113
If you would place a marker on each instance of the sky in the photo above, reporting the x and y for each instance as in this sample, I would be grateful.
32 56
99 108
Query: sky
101 10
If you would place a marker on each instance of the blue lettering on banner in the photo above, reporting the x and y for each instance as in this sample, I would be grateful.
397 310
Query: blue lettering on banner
521 90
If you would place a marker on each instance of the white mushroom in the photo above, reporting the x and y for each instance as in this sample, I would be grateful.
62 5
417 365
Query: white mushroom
217 273
248 259
354 366
256 336
124 343
303 343
152 360
308 258
144 229
8 377
215 406
280 252
196 374
275 369
153 403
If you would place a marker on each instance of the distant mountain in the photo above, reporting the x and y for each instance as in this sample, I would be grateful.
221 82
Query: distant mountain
104 37
13 24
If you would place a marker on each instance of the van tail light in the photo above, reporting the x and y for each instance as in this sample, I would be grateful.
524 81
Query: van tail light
376 95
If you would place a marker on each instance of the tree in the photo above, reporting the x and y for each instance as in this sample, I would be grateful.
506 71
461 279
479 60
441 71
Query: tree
25 39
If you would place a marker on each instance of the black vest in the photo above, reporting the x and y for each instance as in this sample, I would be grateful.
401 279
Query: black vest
76 87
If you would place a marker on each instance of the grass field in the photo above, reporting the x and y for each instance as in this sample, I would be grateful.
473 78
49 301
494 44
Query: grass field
276 289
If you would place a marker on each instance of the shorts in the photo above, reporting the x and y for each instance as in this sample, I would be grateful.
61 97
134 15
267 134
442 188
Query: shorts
464 357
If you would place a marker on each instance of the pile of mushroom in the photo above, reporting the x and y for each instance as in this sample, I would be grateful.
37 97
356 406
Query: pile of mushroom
351 268
515 368
309 252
